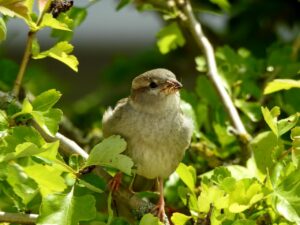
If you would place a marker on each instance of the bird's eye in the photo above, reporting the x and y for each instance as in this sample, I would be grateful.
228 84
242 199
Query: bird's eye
153 85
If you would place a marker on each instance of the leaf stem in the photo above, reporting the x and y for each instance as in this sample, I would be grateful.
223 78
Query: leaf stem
24 63
18 218
202 41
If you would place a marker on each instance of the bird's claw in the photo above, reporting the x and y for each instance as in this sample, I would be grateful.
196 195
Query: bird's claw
159 210
115 182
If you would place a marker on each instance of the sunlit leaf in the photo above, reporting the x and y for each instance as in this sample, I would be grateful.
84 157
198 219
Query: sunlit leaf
66 209
47 177
180 219
170 38
223 4
61 51
188 175
281 84
108 153
270 119
46 100
149 219
49 21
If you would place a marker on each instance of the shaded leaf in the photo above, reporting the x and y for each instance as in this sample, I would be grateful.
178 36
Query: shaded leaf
60 209
14 8
270 119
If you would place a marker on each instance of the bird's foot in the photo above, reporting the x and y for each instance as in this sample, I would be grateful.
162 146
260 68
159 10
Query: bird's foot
115 182
159 209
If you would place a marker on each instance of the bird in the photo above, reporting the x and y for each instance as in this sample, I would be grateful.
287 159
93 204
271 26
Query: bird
156 130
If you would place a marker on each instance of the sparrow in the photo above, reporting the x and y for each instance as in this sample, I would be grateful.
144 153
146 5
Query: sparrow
152 123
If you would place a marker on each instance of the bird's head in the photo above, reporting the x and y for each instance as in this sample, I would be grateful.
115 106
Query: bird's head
156 88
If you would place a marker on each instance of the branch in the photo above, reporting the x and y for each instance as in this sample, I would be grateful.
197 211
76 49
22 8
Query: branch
24 63
18 218
202 41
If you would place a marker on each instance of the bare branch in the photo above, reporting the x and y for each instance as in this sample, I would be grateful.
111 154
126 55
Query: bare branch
202 41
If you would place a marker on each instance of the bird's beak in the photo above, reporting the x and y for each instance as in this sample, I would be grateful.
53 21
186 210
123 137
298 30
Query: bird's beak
171 86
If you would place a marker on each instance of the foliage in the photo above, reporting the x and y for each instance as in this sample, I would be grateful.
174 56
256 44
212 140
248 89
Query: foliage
217 182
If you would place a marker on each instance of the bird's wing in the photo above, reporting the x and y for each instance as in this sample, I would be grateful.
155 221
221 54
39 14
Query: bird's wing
112 117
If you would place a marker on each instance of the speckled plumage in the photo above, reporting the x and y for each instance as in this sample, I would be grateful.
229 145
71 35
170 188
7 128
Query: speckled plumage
151 121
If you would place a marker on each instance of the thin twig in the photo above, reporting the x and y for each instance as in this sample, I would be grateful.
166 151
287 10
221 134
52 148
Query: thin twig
202 41
18 218
24 63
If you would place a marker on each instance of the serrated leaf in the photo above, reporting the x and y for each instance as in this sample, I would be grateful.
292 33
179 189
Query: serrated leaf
281 84
61 209
169 38
108 153
3 30
61 51
188 175
149 219
180 219
49 21
287 199
46 100
270 120
47 177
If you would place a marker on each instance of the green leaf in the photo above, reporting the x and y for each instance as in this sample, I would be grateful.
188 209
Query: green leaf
46 100
286 124
14 8
251 109
52 119
287 198
149 219
60 209
271 119
3 122
122 4
263 147
169 38
49 21
107 153
22 150
201 64
281 84
47 177
3 30
188 175
212 195
223 4
244 222
61 51
295 136
180 219
73 18
35 47
21 184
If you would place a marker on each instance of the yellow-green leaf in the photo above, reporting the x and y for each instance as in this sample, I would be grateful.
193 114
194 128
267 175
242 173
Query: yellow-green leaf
49 21
281 84
61 51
